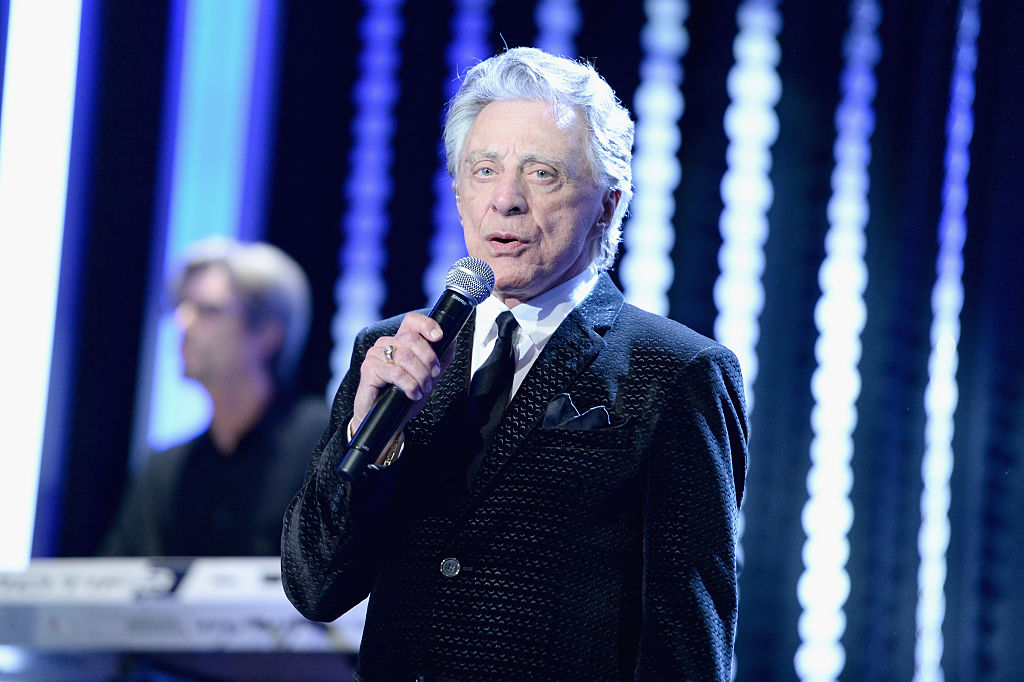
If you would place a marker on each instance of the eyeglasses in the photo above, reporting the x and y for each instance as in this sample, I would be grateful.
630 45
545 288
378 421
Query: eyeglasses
207 311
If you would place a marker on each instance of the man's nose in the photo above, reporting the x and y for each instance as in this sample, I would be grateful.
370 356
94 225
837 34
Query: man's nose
509 197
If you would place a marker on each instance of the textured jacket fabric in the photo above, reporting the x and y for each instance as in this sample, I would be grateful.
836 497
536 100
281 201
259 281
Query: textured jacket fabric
584 549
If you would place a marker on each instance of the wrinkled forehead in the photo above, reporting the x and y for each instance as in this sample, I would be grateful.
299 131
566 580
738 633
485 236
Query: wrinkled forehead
563 116
530 127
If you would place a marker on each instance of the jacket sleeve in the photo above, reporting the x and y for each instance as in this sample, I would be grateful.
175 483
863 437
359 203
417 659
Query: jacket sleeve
328 553
697 465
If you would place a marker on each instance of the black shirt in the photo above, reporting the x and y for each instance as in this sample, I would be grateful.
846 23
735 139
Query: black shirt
191 500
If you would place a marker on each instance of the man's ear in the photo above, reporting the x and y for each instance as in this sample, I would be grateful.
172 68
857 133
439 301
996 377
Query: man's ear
455 189
608 205
609 202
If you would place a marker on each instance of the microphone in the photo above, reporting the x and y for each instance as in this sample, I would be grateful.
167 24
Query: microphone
469 282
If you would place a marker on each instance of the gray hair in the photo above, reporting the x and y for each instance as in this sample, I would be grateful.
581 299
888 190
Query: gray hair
526 73
270 285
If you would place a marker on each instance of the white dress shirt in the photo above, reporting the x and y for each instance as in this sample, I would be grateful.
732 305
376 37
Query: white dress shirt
538 319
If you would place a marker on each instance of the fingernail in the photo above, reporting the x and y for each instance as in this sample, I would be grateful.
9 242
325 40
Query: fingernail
434 371
416 395
435 334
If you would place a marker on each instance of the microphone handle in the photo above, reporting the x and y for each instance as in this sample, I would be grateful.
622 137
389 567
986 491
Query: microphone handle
385 418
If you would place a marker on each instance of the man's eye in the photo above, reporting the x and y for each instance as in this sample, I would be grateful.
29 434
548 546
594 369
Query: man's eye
486 172
543 174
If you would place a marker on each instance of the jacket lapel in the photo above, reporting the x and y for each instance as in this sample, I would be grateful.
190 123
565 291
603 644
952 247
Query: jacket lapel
453 388
570 350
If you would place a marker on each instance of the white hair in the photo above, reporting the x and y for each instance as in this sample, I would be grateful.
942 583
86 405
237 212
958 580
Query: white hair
526 73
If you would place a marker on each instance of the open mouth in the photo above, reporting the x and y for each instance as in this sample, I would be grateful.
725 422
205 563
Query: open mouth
504 238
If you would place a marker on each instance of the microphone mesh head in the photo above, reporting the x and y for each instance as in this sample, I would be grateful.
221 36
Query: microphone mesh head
472 277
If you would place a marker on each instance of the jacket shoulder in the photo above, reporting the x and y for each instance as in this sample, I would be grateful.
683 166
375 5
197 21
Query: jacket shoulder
646 329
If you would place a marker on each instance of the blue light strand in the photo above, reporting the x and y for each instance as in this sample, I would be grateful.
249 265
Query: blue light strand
40 68
942 390
208 169
470 25
752 127
360 290
558 23
209 156
262 119
839 315
646 269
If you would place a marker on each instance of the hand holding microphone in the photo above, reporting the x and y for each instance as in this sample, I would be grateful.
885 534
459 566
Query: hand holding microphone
399 372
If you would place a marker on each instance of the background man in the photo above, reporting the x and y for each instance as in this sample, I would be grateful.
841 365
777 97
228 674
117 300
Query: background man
590 534
245 310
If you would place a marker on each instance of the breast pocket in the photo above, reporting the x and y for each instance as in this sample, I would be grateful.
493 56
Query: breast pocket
586 465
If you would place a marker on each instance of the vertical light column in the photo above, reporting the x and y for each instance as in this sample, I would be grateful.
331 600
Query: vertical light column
40 68
941 392
216 79
470 25
752 128
839 315
646 268
360 290
558 22
208 170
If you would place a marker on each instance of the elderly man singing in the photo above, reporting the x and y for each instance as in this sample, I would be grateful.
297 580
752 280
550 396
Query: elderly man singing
572 516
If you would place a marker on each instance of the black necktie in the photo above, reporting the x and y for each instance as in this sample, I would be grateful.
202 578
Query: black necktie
490 389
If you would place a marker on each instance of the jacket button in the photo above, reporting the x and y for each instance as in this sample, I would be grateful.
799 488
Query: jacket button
450 567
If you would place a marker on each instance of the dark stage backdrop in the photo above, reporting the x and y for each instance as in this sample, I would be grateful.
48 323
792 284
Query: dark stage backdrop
107 267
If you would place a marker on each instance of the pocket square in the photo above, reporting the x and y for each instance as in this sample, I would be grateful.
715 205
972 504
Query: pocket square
561 413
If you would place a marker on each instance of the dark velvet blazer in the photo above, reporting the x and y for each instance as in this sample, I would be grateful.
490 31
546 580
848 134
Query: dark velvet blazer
590 547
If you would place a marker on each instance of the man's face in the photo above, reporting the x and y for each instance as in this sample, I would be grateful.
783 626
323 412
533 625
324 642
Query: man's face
217 343
527 197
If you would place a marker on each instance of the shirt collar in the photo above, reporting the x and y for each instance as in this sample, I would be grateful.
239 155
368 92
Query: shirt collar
539 317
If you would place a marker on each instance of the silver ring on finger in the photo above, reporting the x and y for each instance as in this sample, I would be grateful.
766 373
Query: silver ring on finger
389 354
